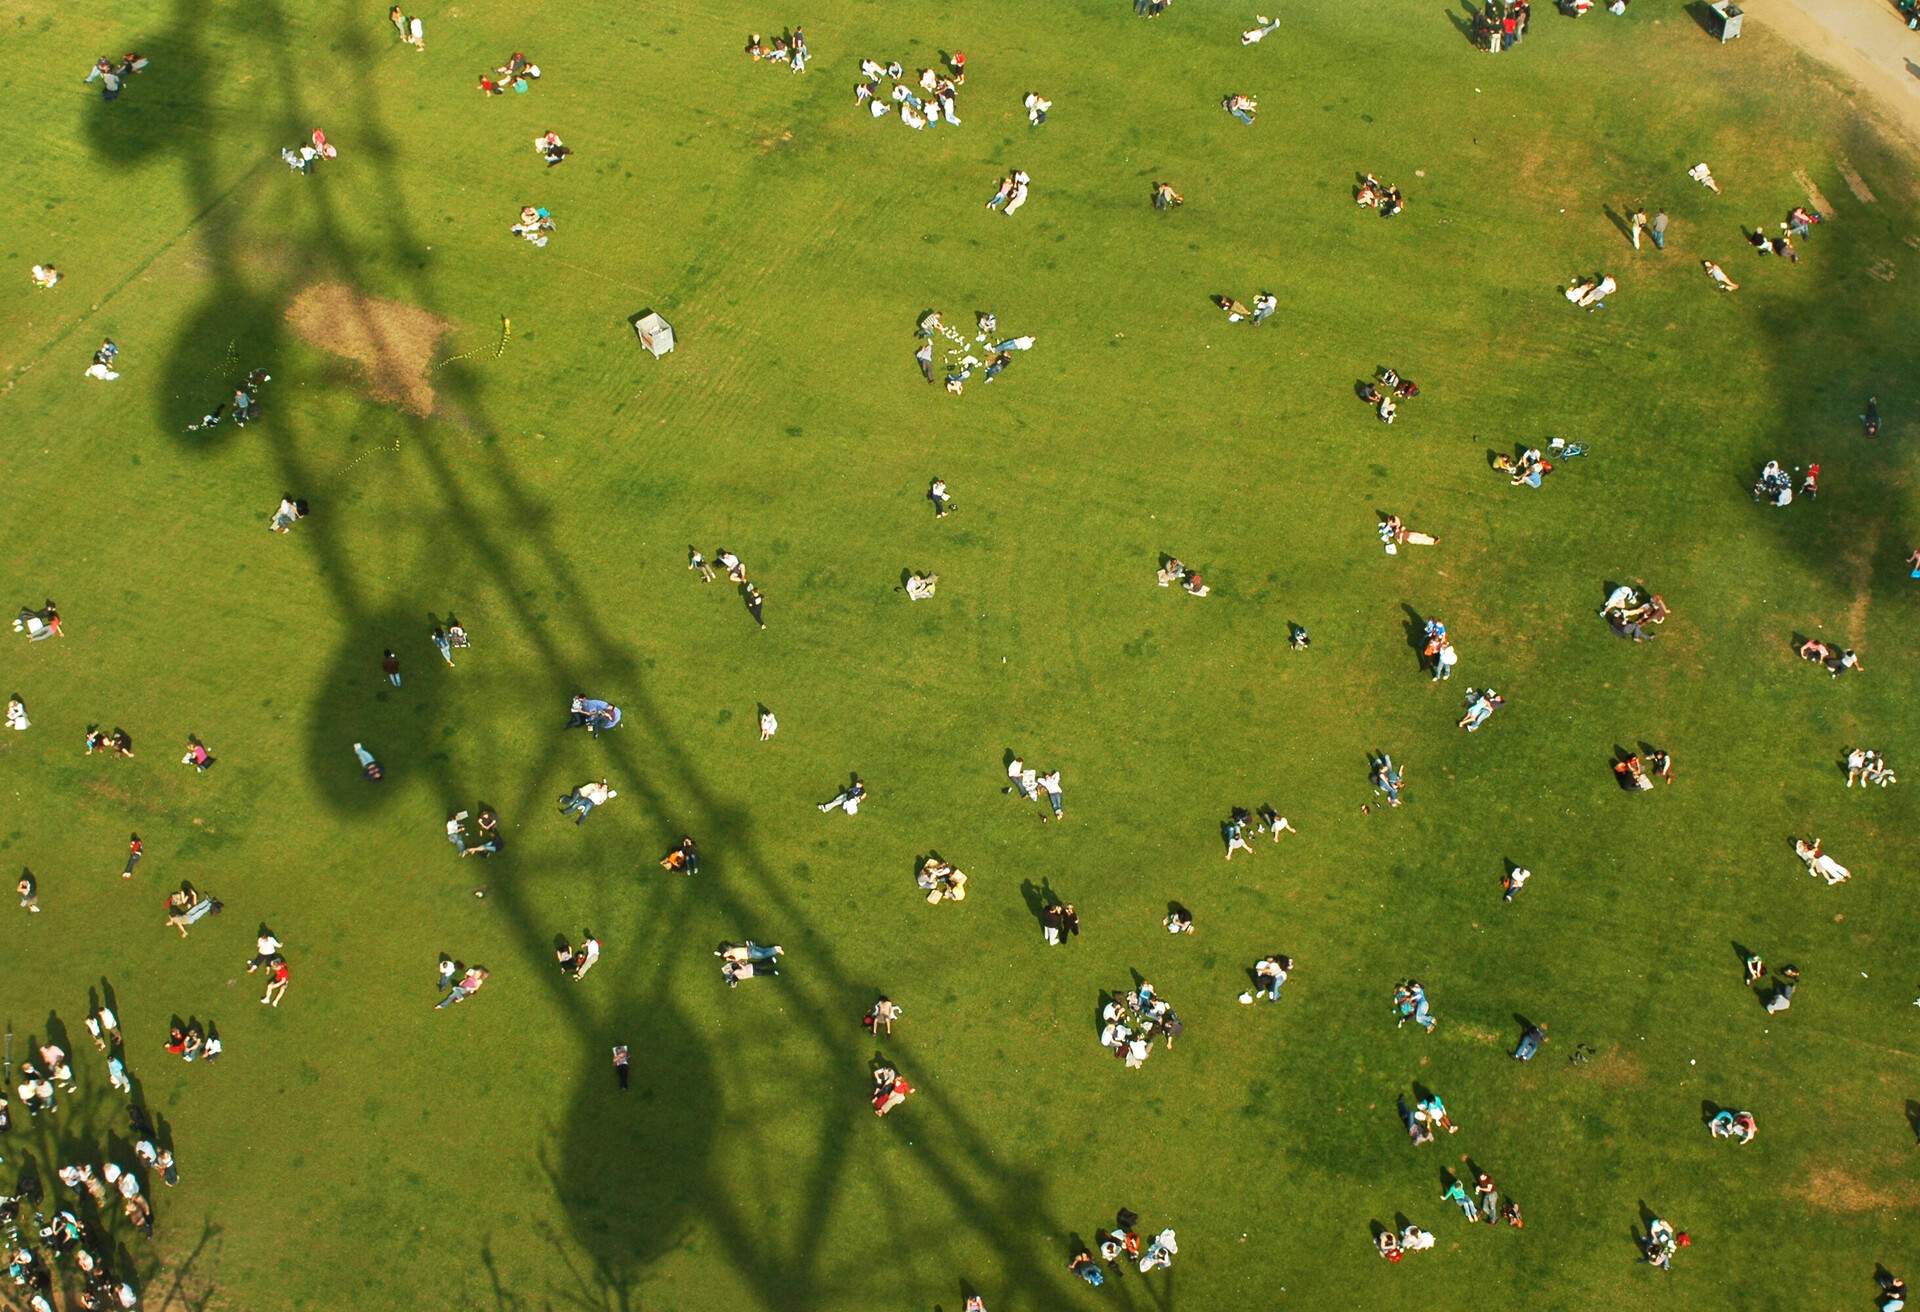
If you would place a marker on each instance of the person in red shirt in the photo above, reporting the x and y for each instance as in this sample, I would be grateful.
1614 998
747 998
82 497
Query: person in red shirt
133 855
277 974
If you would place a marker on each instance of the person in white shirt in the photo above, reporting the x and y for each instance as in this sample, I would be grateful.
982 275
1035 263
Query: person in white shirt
1019 196
1037 107
769 726
45 276
921 586
1051 782
1415 1240
17 714
266 947
588 953
1016 780
1254 35
585 797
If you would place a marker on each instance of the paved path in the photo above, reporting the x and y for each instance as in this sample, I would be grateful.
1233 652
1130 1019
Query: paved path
1866 40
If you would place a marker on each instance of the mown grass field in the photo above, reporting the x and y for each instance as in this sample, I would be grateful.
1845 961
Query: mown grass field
356 1148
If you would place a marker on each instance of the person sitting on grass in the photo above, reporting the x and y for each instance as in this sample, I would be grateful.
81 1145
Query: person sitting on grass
1171 572
1738 1126
1165 197
684 856
550 148
889 1090
1632 774
921 586
1241 107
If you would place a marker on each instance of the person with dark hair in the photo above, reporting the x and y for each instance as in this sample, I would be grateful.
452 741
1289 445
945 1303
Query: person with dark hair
134 851
369 768
390 666
620 1063
755 600
289 512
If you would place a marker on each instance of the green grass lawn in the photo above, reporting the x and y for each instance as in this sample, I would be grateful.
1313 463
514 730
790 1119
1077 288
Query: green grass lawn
356 1148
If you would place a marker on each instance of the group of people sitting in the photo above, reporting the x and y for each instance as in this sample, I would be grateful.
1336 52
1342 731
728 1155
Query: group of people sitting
1775 485
575 962
1128 1025
921 587
1375 194
1781 245
683 857
740 961
788 48
1385 395
941 881
1234 829
301 159
960 358
1530 467
889 1089
117 743
1869 767
1737 1126
1269 973
1263 307
551 149
935 98
1395 1246
1837 662
536 221
1819 863
592 714
1172 571
1637 776
1241 107
1628 614
517 74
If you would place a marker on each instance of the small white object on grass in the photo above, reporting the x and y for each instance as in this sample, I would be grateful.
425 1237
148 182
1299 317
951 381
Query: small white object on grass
1246 998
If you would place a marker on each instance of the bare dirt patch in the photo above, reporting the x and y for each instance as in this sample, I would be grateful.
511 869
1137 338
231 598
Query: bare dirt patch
1838 1191
392 342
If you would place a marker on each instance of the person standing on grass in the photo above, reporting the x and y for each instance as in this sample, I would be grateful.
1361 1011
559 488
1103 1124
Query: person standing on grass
755 600
399 21
620 1064
769 725
135 849
1638 221
1658 230
390 666
29 890
1050 921
1489 1196
277 976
